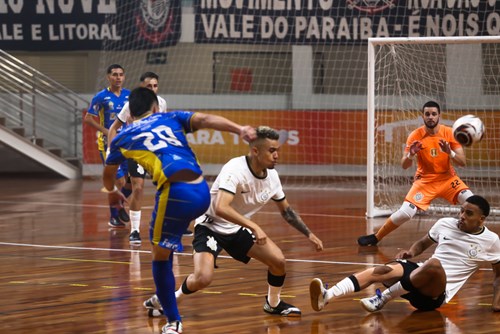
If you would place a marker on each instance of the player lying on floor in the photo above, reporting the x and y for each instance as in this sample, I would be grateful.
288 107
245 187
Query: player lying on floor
462 245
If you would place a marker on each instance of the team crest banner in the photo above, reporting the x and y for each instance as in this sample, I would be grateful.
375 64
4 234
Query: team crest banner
54 25
341 21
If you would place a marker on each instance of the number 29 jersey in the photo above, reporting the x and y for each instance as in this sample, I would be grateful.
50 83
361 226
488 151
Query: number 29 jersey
158 143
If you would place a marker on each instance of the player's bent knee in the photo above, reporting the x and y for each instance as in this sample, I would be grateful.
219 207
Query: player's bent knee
203 280
138 192
277 265
404 213
433 265
138 186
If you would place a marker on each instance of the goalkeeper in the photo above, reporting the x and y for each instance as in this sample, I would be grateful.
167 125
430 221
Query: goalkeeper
434 148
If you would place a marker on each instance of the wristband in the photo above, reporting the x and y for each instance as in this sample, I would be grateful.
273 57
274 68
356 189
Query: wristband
114 190
452 154
409 156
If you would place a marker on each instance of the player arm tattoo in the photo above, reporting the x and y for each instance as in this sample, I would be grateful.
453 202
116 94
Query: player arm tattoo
294 219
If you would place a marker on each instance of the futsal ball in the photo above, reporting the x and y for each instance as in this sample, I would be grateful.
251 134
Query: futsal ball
468 129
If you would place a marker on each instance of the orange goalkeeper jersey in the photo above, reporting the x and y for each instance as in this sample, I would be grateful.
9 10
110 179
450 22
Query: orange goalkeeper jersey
432 163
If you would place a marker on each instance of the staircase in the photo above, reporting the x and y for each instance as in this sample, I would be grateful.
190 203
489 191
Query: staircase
40 118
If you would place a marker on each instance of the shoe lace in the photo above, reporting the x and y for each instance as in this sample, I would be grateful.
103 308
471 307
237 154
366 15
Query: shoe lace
377 299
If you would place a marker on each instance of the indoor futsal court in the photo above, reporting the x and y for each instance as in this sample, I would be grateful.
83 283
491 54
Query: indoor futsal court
65 271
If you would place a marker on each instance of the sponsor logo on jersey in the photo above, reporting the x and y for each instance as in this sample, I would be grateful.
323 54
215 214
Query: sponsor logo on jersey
473 251
264 196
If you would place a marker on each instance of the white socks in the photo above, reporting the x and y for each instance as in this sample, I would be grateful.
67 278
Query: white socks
393 291
135 220
341 288
273 295
178 293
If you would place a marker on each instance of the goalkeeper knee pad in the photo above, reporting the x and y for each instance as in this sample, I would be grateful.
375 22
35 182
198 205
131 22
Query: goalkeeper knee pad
405 213
463 195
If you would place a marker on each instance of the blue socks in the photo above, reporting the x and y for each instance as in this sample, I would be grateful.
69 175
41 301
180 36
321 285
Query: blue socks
163 275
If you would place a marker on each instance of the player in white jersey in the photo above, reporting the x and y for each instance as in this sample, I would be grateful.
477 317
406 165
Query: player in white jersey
462 245
244 185
251 193
151 83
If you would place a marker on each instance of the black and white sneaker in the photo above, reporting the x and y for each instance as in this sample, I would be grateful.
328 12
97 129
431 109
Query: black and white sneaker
135 238
153 306
172 328
123 215
283 309
115 223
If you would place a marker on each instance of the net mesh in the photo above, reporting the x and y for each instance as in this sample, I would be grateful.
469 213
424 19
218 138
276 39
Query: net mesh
463 78
309 80
314 95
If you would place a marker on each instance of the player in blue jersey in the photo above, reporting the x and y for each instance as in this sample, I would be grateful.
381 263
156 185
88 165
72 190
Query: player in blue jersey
104 107
136 172
158 142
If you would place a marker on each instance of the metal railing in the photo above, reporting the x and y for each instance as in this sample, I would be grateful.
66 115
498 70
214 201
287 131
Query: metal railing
40 106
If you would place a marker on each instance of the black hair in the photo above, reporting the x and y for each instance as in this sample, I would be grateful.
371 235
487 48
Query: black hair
481 202
432 104
266 132
114 66
141 100
151 75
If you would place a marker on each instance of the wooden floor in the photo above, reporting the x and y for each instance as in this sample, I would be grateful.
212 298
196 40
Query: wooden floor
64 271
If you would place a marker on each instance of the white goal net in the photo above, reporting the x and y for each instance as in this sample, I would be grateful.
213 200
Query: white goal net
301 67
462 74
313 92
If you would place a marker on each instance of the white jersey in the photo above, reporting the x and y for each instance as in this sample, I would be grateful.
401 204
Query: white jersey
251 193
462 253
124 114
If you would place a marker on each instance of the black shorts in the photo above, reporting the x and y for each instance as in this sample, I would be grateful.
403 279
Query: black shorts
416 299
135 170
237 245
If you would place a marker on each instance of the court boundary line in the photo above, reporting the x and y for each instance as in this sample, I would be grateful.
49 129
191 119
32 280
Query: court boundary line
182 254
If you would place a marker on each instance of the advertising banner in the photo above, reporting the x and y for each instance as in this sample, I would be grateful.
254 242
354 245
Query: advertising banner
316 137
52 25
350 22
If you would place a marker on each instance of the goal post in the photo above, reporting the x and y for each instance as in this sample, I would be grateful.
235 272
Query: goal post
462 75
